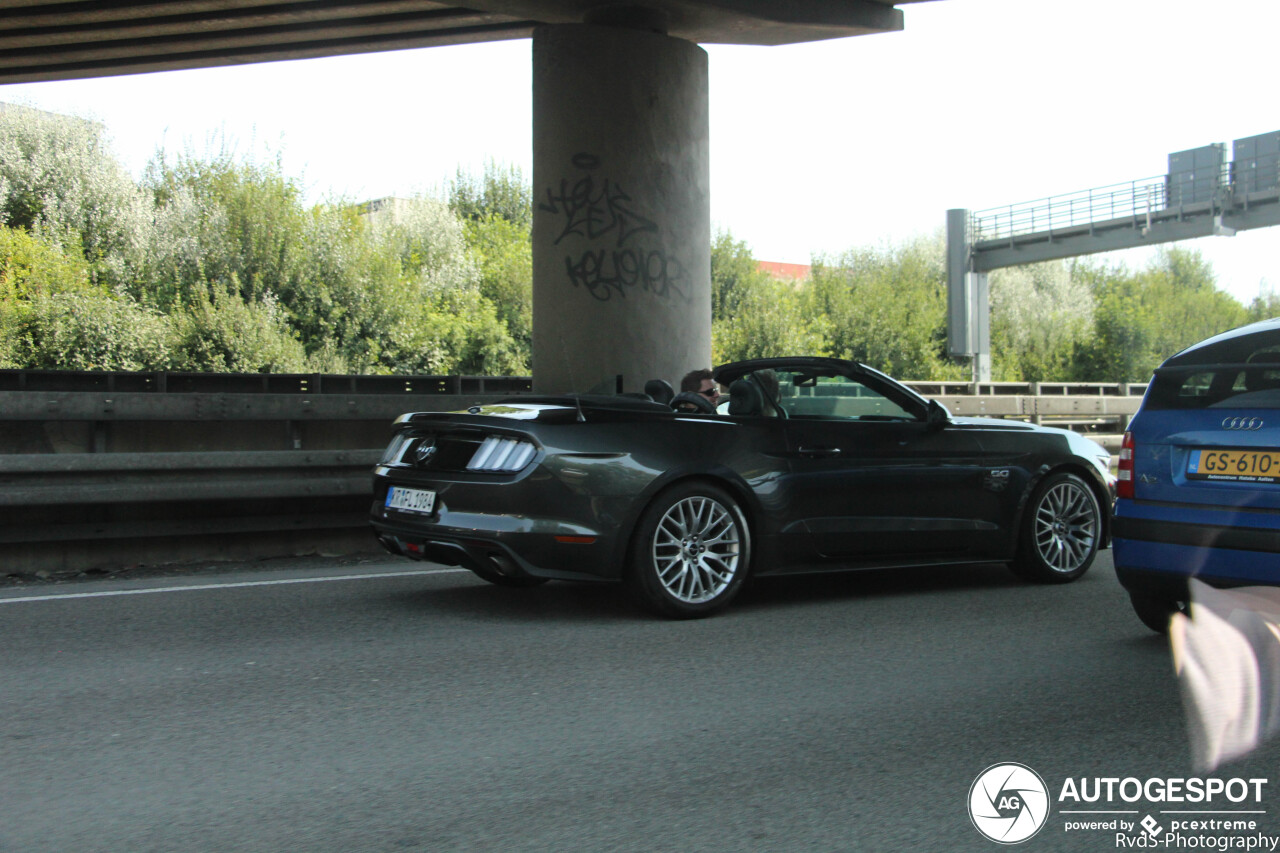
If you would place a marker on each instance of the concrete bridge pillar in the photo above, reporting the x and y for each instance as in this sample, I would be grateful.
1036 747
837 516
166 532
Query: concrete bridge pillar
622 207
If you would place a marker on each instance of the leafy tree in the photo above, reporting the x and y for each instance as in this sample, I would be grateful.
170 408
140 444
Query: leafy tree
60 181
1143 318
754 315
348 292
1040 316
1265 306
224 222
500 191
503 252
769 319
458 332
448 324
734 272
886 307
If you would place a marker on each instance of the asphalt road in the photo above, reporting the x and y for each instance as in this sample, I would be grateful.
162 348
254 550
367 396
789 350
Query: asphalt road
331 707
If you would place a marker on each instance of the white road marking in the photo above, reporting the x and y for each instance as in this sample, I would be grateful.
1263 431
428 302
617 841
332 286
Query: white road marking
207 586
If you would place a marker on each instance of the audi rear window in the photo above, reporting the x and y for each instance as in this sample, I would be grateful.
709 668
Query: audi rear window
1252 382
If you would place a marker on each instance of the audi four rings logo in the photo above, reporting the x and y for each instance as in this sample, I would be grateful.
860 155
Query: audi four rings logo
1242 423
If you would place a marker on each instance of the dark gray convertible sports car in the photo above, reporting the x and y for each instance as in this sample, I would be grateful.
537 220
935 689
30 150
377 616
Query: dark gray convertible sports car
813 464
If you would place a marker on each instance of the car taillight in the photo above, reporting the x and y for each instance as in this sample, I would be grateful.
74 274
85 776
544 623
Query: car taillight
1124 471
391 455
501 454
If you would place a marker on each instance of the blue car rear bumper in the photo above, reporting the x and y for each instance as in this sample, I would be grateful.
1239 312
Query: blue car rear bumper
1156 555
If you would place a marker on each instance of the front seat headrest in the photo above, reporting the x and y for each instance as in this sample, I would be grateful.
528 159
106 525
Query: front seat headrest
660 391
1266 375
745 398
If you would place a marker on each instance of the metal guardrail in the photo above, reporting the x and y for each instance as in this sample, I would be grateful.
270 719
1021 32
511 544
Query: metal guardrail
110 464
57 479
62 498
1102 408
164 382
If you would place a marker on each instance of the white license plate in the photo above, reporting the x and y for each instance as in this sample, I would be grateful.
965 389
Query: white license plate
411 500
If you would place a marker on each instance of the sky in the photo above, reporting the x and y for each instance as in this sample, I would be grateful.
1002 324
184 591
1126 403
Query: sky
816 148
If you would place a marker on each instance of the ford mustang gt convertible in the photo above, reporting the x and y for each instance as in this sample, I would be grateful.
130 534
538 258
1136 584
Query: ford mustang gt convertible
812 464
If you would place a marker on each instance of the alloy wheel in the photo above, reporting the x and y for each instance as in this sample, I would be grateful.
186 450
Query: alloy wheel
696 549
1066 526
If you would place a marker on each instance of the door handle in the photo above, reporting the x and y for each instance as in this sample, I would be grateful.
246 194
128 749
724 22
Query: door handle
819 451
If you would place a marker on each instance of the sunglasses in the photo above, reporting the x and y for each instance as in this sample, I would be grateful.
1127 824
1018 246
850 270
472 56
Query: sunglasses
710 392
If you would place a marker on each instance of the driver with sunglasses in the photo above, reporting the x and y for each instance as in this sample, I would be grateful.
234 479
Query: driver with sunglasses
699 383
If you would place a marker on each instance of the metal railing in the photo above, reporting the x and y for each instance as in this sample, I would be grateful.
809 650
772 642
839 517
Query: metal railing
1135 201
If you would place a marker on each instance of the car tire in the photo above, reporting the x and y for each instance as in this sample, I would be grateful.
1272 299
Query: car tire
691 552
1156 611
1061 529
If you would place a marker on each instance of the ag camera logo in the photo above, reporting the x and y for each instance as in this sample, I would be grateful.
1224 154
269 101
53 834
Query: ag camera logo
1008 803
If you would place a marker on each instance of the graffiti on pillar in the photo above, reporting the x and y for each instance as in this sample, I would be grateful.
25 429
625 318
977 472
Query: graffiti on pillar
600 209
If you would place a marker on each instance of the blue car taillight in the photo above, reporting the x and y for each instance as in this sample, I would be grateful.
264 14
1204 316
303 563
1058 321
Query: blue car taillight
1124 471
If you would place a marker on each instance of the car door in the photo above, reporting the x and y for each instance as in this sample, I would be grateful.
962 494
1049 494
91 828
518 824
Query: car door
875 480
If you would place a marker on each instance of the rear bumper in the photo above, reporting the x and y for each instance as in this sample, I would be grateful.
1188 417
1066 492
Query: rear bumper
1156 557
509 546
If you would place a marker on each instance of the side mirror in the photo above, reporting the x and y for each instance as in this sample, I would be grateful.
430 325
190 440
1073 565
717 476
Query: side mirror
936 415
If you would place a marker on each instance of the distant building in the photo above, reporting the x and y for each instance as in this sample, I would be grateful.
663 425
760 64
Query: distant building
786 272
388 207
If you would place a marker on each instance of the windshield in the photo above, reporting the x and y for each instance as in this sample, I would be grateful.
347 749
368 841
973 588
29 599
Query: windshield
807 394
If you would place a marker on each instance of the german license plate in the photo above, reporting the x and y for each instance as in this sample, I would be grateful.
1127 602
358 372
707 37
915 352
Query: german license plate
1250 466
419 500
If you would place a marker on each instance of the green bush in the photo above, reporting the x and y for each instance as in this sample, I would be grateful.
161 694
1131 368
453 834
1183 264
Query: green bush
226 334
88 330
30 267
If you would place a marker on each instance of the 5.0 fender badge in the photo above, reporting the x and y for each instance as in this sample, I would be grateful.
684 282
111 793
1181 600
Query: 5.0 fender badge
996 480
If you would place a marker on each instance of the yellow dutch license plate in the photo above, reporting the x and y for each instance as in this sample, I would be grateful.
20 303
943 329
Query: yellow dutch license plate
1251 466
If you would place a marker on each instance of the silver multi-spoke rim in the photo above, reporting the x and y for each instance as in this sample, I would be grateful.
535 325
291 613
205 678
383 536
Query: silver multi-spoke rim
696 549
1066 527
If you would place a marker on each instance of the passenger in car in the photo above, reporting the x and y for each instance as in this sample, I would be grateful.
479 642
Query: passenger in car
695 384
755 394
768 382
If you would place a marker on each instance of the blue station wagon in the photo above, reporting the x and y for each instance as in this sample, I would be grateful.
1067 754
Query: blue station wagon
1199 475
